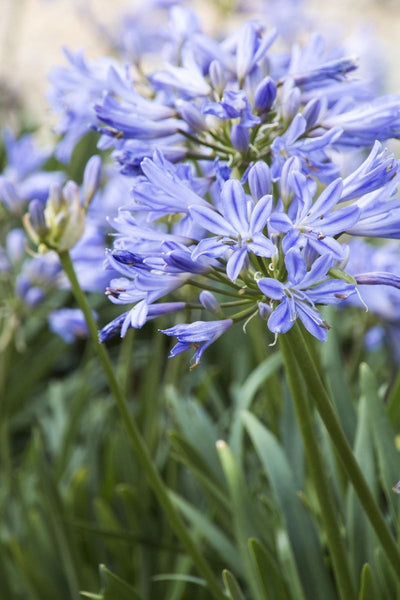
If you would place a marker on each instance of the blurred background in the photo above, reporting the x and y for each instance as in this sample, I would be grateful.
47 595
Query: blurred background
33 32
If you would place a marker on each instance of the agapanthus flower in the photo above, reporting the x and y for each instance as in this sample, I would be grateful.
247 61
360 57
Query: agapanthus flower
69 323
232 151
301 292
23 179
198 336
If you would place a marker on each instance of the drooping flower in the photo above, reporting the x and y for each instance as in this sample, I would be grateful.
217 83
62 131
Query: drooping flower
198 335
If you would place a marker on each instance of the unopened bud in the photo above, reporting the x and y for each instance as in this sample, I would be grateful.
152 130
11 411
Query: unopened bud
91 178
210 303
35 222
240 138
264 96
259 179
192 115
217 77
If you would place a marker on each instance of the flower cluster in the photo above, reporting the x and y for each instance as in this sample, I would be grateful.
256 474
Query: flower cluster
233 154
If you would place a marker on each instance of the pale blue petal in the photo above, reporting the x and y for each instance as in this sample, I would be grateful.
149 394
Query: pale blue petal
318 271
261 246
279 321
295 265
272 288
260 214
234 205
328 198
235 263
312 321
211 220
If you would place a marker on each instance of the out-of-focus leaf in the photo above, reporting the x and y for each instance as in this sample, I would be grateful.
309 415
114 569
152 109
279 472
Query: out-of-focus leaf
114 588
269 573
245 395
334 369
383 436
300 527
241 510
388 580
210 532
232 586
361 537
368 590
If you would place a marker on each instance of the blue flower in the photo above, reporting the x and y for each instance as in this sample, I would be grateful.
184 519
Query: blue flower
378 168
365 123
379 213
69 323
311 150
74 91
315 223
22 179
236 229
198 335
234 104
302 290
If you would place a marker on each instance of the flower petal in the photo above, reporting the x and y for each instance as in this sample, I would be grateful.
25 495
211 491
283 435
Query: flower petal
234 205
211 220
271 287
260 214
279 321
235 263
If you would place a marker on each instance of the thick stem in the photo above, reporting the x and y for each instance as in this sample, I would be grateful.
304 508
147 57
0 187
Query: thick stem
327 413
318 472
137 440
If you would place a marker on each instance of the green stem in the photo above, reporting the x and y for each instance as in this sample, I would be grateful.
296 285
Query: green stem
327 413
210 288
317 472
196 140
137 440
5 450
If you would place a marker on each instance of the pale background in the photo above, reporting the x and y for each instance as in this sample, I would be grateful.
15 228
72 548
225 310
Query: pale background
32 33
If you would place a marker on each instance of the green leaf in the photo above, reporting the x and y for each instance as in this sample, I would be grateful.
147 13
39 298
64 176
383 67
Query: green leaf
232 586
383 436
245 395
393 403
197 427
361 536
300 527
388 580
334 368
180 577
368 589
114 588
269 572
242 511
191 458
210 532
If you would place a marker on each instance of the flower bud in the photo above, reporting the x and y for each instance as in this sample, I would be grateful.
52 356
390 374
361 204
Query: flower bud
15 244
210 303
10 197
192 115
259 179
91 179
61 224
217 77
240 137
264 96
35 222
291 97
66 221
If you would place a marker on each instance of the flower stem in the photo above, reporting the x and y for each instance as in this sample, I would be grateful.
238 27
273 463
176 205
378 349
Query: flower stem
317 472
137 440
327 413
